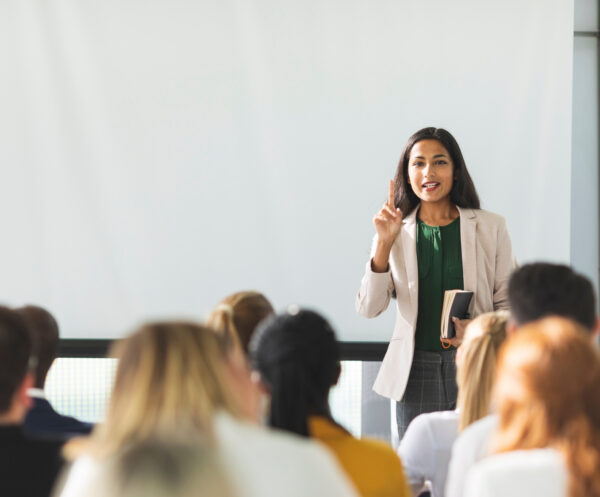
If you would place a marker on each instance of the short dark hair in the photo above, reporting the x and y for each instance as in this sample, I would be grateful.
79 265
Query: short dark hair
297 356
15 351
542 289
463 192
44 331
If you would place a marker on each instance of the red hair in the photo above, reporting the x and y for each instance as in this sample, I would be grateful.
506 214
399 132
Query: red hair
547 394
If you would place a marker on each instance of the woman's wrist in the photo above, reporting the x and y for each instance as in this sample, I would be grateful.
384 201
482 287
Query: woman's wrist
379 262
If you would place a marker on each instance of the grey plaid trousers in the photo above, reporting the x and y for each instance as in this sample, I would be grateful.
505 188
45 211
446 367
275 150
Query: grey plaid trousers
431 386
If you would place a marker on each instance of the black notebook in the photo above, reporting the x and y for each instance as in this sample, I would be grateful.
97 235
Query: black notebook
456 304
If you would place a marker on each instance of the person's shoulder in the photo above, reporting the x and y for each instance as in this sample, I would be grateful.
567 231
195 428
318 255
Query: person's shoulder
487 217
523 460
230 429
519 472
437 417
45 445
43 420
430 421
276 445
251 453
372 447
476 437
484 425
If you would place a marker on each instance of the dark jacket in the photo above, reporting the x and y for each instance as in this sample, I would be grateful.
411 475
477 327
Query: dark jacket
43 420
28 467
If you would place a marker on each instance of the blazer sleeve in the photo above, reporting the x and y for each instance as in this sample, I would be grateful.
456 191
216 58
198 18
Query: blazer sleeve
375 290
505 264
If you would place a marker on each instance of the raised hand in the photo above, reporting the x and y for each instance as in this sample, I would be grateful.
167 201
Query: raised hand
388 222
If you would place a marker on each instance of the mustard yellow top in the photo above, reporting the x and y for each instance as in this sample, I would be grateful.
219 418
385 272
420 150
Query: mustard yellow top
371 465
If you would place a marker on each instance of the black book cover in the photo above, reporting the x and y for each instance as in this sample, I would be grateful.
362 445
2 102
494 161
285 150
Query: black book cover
456 304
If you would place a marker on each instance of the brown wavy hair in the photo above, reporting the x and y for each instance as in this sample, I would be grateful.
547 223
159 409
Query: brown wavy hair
237 315
547 394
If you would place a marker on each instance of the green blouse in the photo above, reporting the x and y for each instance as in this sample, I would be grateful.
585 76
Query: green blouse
440 268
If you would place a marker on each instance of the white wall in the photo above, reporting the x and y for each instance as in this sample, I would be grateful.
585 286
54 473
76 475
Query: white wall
159 155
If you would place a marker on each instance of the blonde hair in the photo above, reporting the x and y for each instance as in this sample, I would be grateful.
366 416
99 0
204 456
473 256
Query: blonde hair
547 395
170 381
158 468
237 315
475 372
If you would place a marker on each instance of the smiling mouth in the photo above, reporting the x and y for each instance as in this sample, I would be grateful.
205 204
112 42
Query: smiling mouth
430 186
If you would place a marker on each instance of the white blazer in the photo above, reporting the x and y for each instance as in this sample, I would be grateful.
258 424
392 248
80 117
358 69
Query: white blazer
487 261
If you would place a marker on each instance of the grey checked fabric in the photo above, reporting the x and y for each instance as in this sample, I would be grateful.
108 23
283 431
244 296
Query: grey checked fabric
431 387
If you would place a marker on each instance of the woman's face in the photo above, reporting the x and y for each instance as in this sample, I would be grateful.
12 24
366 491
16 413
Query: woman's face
430 171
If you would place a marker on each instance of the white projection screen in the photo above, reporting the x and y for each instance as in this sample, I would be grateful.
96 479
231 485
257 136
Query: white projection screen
159 155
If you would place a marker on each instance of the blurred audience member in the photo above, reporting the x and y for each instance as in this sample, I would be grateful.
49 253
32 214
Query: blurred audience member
426 445
542 289
298 359
237 315
42 419
162 469
28 467
534 291
178 381
548 405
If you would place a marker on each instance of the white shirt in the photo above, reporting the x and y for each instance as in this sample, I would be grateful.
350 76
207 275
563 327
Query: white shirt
425 450
521 473
471 446
269 463
36 393
258 462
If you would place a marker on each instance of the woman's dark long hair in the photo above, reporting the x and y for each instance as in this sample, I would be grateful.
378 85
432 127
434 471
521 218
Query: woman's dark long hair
298 358
463 193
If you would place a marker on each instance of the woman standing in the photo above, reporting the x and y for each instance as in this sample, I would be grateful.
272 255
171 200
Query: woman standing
431 236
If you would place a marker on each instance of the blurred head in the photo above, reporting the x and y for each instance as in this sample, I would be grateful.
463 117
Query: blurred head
297 357
15 355
547 396
541 289
171 379
462 193
237 315
476 365
44 331
162 469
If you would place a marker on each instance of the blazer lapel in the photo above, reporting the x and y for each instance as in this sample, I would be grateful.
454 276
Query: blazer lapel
468 233
408 236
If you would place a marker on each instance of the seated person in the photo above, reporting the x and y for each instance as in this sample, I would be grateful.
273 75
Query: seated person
28 467
42 419
178 381
534 291
548 407
297 356
426 445
237 315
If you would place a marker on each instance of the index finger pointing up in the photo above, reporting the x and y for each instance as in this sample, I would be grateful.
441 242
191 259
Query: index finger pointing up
392 194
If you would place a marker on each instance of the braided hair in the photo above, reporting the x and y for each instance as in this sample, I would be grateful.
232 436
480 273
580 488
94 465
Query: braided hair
297 356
